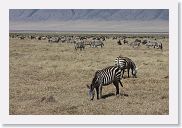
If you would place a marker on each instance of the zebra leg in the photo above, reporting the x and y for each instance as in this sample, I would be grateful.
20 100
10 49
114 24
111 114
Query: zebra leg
123 73
120 83
97 90
100 91
128 72
117 87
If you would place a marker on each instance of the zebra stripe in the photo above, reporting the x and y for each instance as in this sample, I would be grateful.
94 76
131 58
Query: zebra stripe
120 62
79 44
126 63
105 77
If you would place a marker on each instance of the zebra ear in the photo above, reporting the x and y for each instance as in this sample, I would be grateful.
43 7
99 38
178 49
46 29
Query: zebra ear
88 86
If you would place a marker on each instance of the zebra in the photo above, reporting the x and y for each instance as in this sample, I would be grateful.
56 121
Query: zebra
79 44
159 45
154 44
126 63
105 77
87 42
151 44
144 42
96 43
135 44
53 40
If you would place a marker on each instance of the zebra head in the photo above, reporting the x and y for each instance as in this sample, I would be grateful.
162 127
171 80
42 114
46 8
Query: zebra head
91 92
134 72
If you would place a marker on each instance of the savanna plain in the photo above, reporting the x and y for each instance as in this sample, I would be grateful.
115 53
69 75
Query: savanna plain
51 78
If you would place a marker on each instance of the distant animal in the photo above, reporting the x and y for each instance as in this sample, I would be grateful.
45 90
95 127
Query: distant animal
38 37
79 44
43 38
31 37
135 44
119 42
105 77
114 38
125 41
53 40
150 44
126 63
21 37
62 39
154 44
137 40
144 42
95 43
159 45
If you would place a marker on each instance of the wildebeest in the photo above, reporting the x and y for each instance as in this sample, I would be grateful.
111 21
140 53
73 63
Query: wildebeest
119 42
105 77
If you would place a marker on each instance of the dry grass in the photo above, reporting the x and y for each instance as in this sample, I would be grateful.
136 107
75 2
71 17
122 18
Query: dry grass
50 79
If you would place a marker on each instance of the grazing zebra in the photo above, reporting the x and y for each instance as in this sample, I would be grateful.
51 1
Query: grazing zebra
154 44
96 43
88 42
62 39
105 77
135 44
53 40
79 44
151 44
144 42
126 63
159 45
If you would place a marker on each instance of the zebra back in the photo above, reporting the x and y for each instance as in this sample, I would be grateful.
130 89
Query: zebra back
126 63
107 76
121 62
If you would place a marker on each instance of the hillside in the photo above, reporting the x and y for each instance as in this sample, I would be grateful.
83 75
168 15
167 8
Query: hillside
87 14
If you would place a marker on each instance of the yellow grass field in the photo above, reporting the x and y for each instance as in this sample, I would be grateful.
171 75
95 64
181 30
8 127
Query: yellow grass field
50 79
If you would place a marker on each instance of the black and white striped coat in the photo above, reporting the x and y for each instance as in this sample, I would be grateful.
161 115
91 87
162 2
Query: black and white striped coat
154 44
96 43
79 44
126 63
105 77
